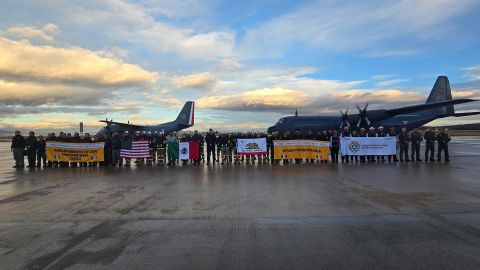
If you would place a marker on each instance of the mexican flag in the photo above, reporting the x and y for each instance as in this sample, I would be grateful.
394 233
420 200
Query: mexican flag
188 150
172 150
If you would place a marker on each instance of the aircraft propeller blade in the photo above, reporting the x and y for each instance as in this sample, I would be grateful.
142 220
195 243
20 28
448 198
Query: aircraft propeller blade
359 110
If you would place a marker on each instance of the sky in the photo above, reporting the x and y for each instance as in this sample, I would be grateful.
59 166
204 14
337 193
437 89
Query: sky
244 63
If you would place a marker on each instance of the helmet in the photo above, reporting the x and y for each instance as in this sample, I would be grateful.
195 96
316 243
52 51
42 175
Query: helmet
380 127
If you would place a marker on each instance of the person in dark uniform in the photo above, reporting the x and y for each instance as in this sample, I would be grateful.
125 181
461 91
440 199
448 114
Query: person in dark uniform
443 139
429 137
404 140
416 139
18 149
41 152
345 133
211 140
31 145
334 146
116 145
393 133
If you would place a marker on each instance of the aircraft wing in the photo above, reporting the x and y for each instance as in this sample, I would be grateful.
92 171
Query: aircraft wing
121 124
420 107
458 114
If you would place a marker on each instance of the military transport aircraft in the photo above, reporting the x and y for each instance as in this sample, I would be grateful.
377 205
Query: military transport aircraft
184 120
439 105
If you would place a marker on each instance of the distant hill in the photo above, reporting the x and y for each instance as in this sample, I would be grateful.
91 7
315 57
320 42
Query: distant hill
474 126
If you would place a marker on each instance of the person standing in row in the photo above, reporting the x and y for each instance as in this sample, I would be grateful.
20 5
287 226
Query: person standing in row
416 139
18 148
116 145
196 137
31 148
429 137
334 146
211 141
443 139
171 139
41 152
403 140
393 133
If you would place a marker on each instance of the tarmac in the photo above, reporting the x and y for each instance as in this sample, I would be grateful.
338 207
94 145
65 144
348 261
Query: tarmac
308 216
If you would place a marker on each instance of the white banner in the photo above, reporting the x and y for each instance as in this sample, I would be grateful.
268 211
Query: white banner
252 146
368 146
183 150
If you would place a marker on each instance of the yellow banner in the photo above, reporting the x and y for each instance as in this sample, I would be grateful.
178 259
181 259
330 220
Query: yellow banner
75 152
307 149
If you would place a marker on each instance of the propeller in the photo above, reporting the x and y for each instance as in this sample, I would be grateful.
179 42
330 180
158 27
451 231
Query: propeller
362 113
344 118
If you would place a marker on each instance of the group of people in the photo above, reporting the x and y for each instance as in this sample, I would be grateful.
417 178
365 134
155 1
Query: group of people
405 140
221 147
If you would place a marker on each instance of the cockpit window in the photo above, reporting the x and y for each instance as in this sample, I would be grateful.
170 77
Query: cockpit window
282 120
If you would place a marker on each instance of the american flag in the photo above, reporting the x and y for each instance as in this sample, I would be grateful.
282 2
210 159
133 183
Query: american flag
138 149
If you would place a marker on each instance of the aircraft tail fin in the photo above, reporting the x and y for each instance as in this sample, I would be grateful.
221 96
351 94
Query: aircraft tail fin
440 92
187 114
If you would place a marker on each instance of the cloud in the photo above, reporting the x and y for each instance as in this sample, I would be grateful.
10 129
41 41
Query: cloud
472 73
377 29
171 102
227 65
139 25
45 34
286 100
71 66
391 82
267 99
203 81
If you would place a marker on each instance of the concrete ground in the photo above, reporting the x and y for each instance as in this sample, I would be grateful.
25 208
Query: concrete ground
322 216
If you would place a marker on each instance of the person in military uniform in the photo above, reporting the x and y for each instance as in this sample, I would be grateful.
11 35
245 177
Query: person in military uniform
404 140
334 146
429 137
443 139
41 152
211 140
393 133
416 139
162 148
31 145
18 148
116 145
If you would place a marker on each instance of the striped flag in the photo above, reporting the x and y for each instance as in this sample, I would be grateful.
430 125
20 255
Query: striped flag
138 149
